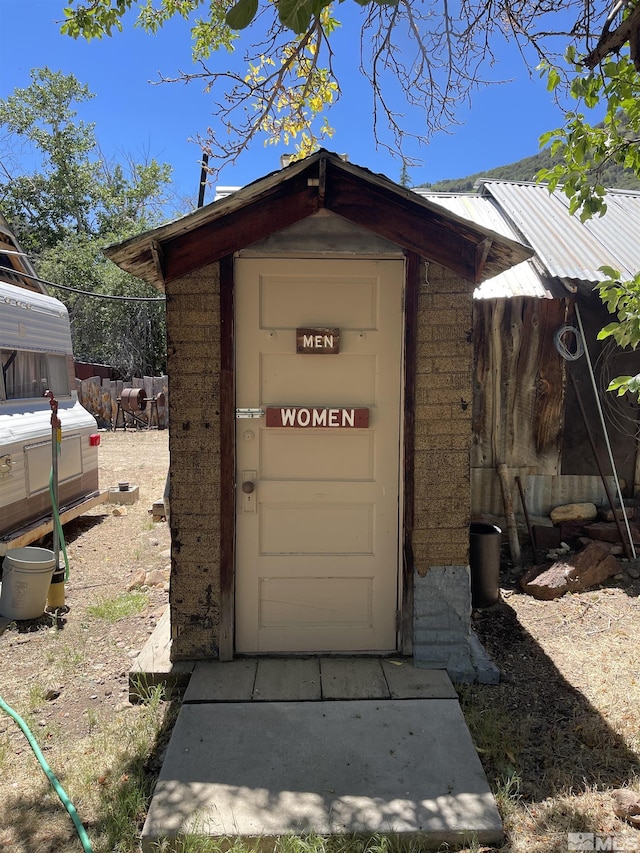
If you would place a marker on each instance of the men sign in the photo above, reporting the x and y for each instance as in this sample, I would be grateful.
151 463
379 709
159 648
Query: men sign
318 341
319 418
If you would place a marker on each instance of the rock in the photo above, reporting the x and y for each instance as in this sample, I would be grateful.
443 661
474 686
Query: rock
590 567
574 512
608 531
608 514
137 581
166 554
626 805
605 531
614 548
52 694
156 577
119 511
632 571
570 530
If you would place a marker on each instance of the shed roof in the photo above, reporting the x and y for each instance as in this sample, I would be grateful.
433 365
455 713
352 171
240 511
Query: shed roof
565 247
323 180
524 279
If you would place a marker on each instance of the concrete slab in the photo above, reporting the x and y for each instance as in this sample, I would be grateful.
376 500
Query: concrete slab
263 770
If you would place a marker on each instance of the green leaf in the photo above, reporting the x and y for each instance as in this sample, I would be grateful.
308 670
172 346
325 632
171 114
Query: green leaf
610 272
241 15
618 382
607 331
296 15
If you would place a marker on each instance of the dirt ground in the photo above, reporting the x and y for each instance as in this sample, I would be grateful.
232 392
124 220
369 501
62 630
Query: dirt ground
69 681
556 736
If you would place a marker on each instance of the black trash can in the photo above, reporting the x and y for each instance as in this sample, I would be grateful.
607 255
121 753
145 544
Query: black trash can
484 561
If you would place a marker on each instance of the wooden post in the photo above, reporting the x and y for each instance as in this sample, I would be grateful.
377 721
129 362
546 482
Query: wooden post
507 502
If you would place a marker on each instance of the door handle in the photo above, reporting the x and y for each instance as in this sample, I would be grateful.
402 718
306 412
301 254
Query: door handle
248 488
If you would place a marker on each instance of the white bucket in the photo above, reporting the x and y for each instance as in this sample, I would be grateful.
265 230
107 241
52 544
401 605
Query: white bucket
26 578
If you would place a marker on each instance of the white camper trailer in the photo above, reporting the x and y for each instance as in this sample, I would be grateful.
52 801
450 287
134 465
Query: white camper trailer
36 356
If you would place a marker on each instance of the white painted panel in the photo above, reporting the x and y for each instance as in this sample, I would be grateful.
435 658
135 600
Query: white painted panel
348 380
33 321
315 528
38 463
316 602
295 301
317 455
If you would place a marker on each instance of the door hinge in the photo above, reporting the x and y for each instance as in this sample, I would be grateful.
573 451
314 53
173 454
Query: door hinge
249 413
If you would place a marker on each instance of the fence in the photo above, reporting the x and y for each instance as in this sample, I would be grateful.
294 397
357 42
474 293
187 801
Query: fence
101 398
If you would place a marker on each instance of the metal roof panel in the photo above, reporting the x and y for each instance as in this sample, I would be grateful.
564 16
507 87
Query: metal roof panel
565 247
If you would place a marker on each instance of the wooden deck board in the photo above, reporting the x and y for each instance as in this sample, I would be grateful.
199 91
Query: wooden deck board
222 681
293 679
154 666
353 678
409 682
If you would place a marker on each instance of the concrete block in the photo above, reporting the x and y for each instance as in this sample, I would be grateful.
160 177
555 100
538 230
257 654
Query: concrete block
126 497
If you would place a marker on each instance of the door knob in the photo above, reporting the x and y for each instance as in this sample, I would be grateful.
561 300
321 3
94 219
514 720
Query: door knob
248 487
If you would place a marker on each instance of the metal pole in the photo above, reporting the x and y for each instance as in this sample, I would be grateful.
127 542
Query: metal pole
625 542
606 437
55 598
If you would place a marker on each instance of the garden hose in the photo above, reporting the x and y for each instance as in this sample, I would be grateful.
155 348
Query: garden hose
66 802
56 521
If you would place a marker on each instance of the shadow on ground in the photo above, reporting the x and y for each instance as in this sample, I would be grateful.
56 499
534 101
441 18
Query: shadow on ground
40 823
540 738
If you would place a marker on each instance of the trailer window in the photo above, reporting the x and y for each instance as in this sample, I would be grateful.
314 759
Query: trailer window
29 374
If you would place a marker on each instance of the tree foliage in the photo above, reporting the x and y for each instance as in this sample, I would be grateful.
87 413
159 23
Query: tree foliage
72 203
587 153
428 56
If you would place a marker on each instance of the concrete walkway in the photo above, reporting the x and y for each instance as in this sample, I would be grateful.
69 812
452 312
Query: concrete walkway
269 747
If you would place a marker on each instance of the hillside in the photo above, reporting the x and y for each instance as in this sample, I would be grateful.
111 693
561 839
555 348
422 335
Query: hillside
526 170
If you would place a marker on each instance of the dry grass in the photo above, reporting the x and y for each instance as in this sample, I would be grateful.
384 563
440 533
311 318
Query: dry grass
556 736
564 729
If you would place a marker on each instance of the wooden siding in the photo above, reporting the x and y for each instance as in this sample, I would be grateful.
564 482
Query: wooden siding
518 385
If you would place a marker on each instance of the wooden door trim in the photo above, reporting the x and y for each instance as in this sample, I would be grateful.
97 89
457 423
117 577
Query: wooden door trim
412 288
227 460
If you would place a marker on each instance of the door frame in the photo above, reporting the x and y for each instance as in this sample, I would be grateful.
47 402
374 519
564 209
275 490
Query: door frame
226 639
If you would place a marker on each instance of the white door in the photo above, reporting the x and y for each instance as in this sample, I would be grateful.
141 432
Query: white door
317 500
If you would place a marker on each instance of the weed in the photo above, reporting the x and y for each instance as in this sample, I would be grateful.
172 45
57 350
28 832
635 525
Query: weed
4 751
311 843
92 719
36 696
123 605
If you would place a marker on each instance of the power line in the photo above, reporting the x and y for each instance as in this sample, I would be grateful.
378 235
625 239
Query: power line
88 292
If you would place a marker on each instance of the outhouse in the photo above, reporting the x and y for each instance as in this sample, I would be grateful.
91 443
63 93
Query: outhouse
320 361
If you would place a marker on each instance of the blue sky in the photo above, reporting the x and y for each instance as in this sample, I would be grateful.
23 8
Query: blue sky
138 119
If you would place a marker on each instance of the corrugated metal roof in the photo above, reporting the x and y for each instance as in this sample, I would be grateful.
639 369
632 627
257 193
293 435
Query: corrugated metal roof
521 280
565 247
